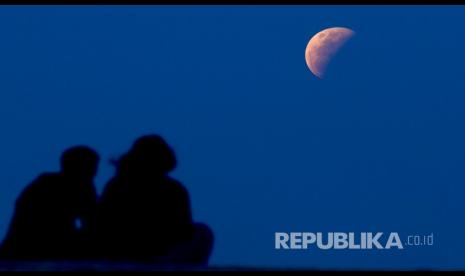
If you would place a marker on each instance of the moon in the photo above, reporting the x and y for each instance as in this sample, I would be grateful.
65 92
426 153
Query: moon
323 46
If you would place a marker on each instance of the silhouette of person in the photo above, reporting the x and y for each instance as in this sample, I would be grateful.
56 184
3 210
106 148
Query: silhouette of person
145 215
54 213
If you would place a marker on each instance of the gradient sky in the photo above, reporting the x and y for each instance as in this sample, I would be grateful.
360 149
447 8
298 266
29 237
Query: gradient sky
263 145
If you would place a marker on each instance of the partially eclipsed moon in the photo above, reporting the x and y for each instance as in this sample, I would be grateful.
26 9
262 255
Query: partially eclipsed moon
323 46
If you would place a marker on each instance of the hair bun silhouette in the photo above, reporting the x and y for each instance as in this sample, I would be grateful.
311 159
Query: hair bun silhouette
148 155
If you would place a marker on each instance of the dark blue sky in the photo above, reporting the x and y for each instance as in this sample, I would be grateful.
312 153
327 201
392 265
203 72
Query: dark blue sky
263 145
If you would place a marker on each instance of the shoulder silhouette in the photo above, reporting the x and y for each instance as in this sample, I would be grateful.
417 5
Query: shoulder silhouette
53 214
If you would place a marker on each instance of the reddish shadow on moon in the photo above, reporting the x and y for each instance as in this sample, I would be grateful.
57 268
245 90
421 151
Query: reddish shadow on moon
323 46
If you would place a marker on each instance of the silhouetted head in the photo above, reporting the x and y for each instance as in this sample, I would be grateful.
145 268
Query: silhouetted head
80 162
150 155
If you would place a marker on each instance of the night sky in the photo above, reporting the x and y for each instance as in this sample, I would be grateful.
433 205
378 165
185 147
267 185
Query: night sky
263 145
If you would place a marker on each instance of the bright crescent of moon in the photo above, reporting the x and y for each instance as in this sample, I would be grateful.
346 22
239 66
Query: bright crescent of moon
323 46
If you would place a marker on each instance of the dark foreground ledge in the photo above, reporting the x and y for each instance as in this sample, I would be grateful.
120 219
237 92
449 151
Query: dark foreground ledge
64 266
90 266
70 266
